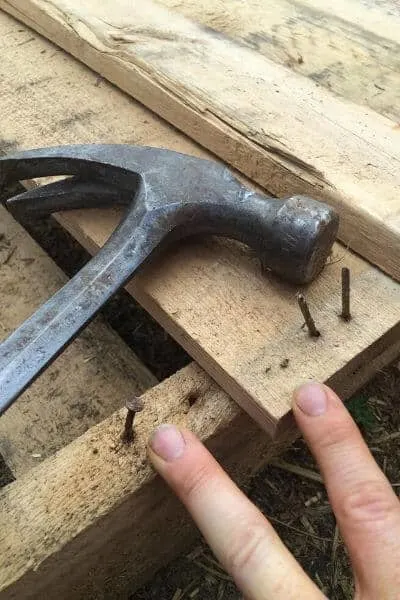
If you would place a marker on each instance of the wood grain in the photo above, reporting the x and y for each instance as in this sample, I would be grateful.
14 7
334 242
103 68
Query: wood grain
89 381
351 48
282 130
238 324
242 325
86 523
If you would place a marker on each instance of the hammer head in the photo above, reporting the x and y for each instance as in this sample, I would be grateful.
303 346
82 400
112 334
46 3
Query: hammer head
181 196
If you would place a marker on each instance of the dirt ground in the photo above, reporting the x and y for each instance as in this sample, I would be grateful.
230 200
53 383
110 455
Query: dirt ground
304 520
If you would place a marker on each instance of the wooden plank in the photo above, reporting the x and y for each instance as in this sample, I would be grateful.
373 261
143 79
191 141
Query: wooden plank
86 523
350 47
92 378
240 337
284 131
243 338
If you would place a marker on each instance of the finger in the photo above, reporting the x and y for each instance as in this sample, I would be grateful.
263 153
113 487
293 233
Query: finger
240 536
366 508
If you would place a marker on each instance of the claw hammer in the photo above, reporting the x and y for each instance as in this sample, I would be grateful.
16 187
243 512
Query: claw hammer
167 196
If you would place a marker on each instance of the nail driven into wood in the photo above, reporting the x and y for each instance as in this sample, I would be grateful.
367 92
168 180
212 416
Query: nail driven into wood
312 330
134 405
346 316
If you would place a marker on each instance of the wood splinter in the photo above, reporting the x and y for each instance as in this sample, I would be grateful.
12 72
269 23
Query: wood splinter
134 405
312 330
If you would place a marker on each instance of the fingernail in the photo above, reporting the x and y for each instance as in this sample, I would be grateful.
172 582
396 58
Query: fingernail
311 399
168 442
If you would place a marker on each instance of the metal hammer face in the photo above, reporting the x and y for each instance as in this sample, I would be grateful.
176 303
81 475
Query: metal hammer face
167 196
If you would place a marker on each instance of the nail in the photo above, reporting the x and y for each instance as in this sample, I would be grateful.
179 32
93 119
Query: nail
134 405
346 315
168 442
127 434
312 330
311 399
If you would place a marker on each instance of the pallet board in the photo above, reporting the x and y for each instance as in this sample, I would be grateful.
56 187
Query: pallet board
245 328
350 47
88 382
241 336
86 522
283 130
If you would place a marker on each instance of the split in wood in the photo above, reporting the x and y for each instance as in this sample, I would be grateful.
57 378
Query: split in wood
312 330
134 405
345 314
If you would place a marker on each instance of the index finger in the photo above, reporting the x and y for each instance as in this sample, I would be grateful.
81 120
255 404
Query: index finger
240 536
365 506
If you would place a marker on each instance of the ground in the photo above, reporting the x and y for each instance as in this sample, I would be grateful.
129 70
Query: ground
304 520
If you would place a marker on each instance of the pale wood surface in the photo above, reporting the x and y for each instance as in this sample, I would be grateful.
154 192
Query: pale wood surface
242 325
88 522
284 131
88 382
94 508
237 323
350 47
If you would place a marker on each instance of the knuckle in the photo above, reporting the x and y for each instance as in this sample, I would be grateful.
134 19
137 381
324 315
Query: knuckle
369 502
195 481
245 549
335 435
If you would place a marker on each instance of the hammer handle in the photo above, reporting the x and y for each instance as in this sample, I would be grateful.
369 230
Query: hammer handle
42 337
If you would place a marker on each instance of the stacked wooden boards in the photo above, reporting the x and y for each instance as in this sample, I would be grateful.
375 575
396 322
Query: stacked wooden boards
240 325
206 68
96 508
86 522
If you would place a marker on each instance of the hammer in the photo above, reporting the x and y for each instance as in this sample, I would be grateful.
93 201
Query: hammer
167 196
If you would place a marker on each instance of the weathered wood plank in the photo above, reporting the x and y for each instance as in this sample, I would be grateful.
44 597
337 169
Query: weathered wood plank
238 324
87 522
282 130
246 326
351 47
89 381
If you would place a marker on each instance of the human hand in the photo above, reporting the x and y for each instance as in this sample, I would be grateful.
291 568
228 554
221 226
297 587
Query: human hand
366 508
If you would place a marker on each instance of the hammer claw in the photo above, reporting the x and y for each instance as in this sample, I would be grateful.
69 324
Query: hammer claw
67 194
88 162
